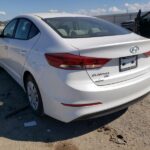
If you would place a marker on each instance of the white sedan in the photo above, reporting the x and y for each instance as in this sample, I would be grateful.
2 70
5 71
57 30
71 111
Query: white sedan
73 66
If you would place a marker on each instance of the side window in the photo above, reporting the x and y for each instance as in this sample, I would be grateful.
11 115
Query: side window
33 32
23 29
9 30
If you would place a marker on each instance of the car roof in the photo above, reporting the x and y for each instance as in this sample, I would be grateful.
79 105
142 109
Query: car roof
54 15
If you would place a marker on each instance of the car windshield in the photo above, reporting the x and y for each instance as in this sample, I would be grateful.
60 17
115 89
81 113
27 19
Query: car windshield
84 27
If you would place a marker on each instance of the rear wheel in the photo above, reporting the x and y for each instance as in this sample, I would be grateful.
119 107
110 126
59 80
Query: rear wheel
34 96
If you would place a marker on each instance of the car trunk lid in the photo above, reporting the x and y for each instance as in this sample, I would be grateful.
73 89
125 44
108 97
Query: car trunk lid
126 54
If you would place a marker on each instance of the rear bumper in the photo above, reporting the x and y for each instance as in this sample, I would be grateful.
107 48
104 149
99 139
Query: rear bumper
113 97
110 111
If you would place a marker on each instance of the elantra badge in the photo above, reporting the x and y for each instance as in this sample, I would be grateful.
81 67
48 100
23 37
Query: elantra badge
134 50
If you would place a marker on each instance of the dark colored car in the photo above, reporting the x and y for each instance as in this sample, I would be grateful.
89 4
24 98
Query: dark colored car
141 24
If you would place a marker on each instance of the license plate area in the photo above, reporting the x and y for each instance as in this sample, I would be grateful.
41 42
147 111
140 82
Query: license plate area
128 63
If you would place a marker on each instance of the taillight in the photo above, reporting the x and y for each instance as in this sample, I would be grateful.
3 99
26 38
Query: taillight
147 54
74 62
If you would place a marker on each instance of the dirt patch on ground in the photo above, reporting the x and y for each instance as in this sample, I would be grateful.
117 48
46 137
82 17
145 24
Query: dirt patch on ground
65 146
125 130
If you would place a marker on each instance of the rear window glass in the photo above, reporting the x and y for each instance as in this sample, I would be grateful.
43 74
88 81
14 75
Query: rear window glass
84 27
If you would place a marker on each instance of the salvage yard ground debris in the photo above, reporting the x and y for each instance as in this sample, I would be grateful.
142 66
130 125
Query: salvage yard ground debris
125 130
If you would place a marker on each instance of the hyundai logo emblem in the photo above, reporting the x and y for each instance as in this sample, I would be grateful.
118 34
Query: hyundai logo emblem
134 49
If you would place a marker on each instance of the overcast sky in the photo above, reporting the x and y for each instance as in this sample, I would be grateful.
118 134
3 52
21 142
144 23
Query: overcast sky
11 8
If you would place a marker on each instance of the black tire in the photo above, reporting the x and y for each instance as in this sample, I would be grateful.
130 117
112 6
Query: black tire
39 110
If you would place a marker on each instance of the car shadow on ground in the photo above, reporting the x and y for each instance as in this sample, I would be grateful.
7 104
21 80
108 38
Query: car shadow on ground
12 97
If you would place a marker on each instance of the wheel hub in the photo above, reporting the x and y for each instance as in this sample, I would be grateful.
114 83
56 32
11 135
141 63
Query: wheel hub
32 95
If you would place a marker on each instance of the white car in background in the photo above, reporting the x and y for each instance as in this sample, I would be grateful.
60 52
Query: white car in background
73 66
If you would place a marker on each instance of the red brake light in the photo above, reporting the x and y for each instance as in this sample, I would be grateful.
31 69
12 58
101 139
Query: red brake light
147 53
74 62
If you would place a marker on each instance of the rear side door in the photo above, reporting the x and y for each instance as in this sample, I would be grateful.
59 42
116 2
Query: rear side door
25 37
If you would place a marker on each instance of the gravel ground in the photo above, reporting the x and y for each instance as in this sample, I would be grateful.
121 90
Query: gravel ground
125 130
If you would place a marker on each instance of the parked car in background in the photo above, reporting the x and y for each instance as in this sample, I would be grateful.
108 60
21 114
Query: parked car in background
140 25
130 25
74 66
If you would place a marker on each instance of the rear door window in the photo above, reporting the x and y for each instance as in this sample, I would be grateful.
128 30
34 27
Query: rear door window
23 29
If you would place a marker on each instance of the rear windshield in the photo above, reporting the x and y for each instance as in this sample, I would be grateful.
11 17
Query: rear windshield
84 27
